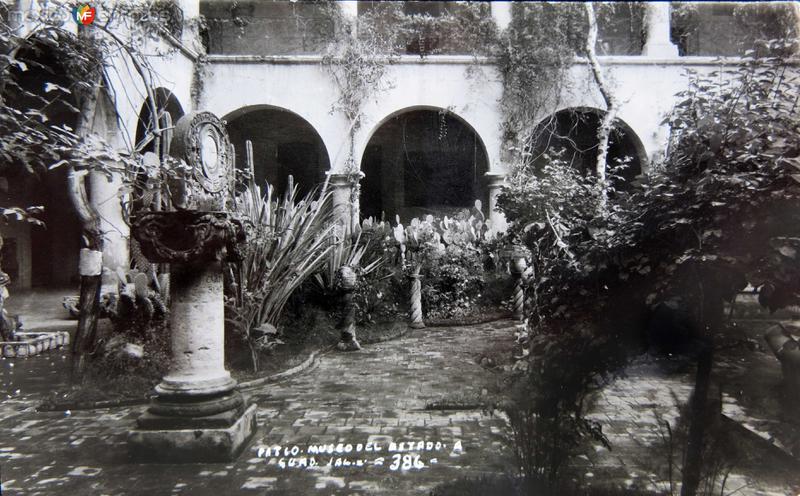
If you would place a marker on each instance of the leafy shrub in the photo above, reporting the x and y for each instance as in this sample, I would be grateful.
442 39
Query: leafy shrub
456 256
380 296
718 211
453 283
714 213
546 403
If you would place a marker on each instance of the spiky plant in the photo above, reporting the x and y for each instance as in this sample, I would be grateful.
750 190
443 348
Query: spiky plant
346 251
287 242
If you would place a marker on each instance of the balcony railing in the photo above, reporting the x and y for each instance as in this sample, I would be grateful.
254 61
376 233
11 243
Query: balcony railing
730 29
280 28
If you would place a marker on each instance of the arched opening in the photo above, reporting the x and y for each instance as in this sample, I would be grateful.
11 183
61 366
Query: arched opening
169 111
284 144
423 161
39 86
571 134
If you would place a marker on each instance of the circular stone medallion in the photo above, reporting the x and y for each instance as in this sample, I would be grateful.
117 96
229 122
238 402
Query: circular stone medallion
202 141
211 171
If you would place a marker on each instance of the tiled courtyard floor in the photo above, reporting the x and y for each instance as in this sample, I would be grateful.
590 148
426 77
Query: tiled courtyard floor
375 396
747 386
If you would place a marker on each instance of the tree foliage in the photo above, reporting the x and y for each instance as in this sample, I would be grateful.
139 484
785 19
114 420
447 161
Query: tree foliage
720 207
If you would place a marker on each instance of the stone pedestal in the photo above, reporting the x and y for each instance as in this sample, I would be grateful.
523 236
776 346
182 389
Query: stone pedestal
659 44
518 266
415 303
347 281
197 414
197 319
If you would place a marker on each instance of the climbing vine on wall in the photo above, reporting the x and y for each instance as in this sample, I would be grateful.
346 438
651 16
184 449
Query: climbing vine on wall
362 48
539 46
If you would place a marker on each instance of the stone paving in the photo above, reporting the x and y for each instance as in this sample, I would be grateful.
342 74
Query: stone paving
633 410
370 398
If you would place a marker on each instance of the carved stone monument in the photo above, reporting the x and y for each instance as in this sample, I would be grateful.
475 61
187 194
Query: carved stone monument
197 415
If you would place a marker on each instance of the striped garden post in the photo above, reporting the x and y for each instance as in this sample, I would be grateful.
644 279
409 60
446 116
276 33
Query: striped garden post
347 282
518 266
416 299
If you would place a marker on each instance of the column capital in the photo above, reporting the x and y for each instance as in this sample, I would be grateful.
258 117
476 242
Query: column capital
495 179
340 180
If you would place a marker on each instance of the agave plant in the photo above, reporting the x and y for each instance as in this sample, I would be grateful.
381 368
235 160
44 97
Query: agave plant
288 240
346 251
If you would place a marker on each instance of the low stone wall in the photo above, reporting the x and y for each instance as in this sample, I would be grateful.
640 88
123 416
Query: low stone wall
33 343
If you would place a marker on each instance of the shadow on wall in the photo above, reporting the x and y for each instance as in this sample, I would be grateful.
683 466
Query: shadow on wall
284 144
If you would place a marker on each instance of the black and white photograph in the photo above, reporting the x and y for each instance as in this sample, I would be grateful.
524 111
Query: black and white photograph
389 248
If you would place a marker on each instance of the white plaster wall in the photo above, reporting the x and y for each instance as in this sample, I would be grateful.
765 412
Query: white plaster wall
173 71
302 88
427 84
645 89
306 89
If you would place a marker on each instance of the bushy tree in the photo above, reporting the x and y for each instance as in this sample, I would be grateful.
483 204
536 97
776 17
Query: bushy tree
46 121
719 211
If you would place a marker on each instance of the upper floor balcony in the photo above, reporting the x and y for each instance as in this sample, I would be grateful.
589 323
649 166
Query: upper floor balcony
431 28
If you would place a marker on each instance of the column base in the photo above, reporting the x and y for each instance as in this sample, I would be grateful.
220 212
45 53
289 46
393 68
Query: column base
351 345
660 50
417 325
213 438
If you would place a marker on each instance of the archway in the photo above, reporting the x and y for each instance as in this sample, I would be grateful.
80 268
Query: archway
169 111
284 144
423 161
571 134
39 86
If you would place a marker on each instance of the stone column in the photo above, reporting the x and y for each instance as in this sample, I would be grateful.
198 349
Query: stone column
17 13
350 12
501 13
347 284
415 300
658 44
190 8
116 233
495 181
345 211
197 415
518 266
198 356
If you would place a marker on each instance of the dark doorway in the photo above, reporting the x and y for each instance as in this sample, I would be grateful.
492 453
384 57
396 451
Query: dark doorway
572 134
284 144
422 162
